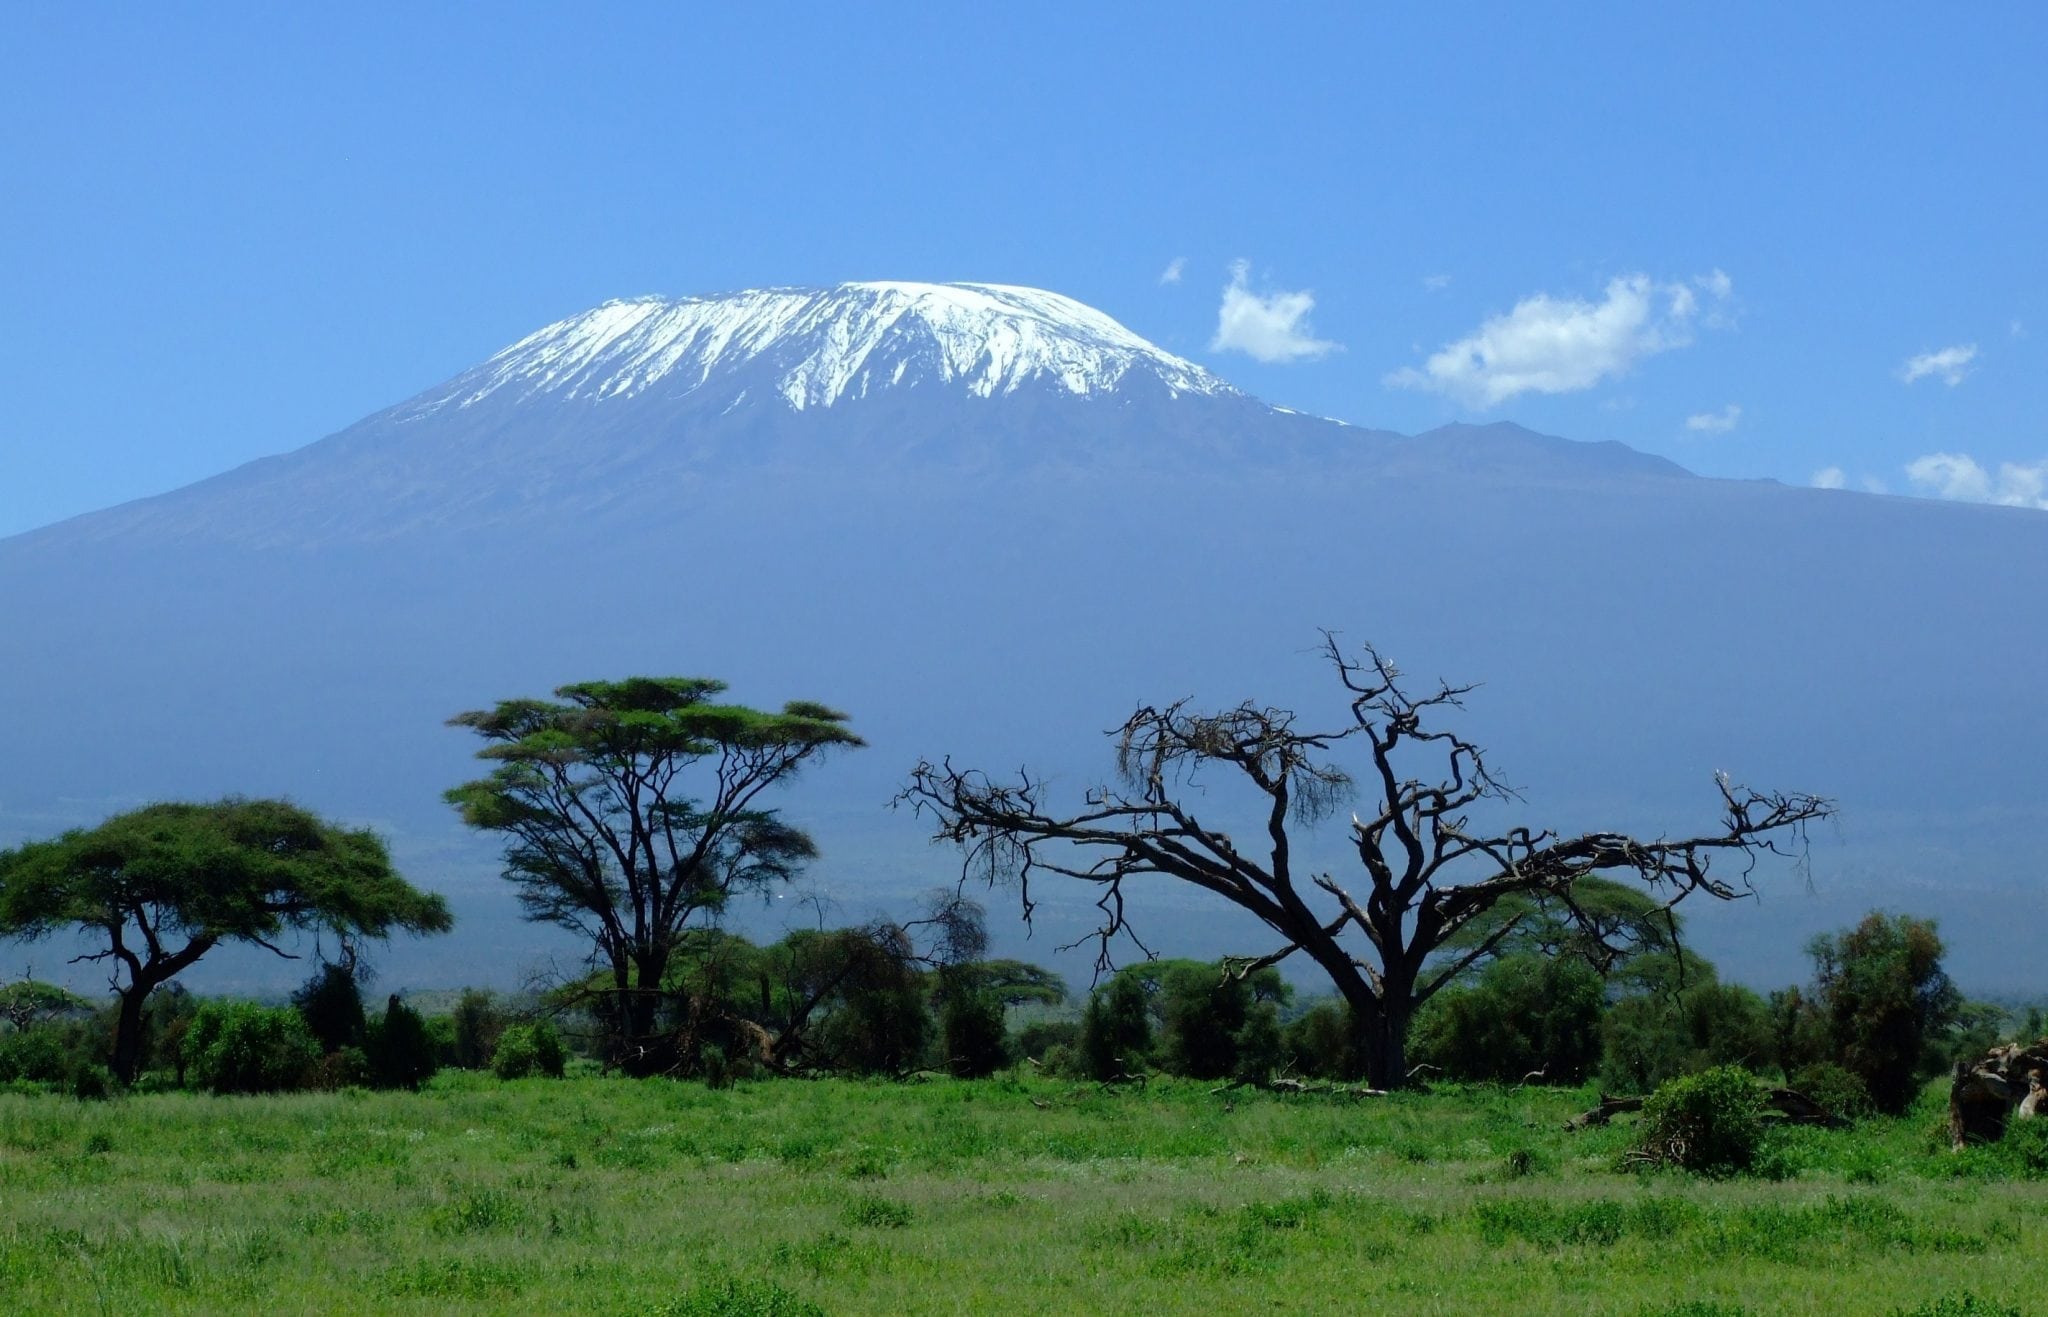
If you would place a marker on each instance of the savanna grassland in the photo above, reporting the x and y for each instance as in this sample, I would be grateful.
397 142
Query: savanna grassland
1003 1195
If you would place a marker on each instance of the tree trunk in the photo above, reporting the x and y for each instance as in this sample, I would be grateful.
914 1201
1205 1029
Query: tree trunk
1383 1045
645 1052
129 1028
1385 1049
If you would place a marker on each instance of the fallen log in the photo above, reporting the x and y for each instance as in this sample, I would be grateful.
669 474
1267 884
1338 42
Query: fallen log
1300 1087
1791 1106
1609 1108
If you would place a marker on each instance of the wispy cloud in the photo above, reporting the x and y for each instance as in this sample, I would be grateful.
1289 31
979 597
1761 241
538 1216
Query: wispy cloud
2016 329
1272 327
1958 476
1565 344
1720 422
1175 268
1830 477
1436 283
1948 365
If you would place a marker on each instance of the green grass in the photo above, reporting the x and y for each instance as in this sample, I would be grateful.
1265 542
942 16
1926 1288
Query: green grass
616 1196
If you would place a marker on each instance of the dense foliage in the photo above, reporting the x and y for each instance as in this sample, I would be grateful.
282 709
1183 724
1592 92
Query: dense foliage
1711 1122
632 813
157 888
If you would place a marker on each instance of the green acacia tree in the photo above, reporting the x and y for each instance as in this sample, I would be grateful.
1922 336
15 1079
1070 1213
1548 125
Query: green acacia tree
1883 996
159 887
632 808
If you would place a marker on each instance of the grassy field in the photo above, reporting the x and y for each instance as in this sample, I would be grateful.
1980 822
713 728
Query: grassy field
791 1197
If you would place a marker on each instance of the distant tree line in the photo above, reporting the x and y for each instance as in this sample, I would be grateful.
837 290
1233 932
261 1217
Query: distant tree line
636 813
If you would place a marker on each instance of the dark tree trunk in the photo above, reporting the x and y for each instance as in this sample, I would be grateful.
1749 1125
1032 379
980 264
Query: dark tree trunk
643 1050
1383 1044
129 1030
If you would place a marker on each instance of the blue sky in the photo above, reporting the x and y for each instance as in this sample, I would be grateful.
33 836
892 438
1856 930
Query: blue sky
226 231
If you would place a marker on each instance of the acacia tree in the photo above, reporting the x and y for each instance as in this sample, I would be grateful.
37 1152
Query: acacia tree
163 885
632 808
1429 872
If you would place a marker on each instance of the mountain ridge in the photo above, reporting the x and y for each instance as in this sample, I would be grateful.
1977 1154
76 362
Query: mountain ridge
617 403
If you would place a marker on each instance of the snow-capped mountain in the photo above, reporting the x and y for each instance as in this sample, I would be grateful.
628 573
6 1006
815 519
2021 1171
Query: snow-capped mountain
820 346
612 411
988 521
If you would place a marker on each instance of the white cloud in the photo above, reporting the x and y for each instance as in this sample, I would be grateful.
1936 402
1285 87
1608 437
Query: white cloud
1949 365
1564 344
1830 477
1436 283
1958 476
1720 422
1173 271
1270 328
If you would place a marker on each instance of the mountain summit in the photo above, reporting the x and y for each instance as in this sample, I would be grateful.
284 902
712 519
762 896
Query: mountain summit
813 347
621 410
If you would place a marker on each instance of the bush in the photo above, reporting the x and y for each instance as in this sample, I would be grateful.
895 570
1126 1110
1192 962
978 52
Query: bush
332 1006
972 1033
1839 1092
526 1050
91 1083
399 1049
476 1028
1885 998
1648 1039
240 1047
1062 1060
1260 1049
1041 1036
1526 1014
1321 1042
37 1055
1711 1122
1116 1029
347 1068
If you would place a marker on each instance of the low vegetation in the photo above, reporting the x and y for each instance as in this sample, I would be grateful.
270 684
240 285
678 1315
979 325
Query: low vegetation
885 1117
1007 1194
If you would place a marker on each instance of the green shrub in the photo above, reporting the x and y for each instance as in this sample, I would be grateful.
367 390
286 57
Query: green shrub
347 1068
1526 1014
37 1055
2024 1149
1116 1029
1711 1122
1649 1038
526 1050
1322 1042
476 1028
972 1034
91 1083
240 1047
740 1298
399 1048
1061 1060
1035 1038
1885 998
332 1005
1839 1092
1961 1305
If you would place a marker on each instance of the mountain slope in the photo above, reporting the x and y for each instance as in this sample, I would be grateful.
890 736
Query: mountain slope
624 409
995 553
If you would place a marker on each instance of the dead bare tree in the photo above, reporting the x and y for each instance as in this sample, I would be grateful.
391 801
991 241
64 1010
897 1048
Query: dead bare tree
1428 871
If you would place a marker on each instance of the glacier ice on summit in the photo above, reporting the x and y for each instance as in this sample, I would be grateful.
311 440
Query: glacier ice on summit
828 344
